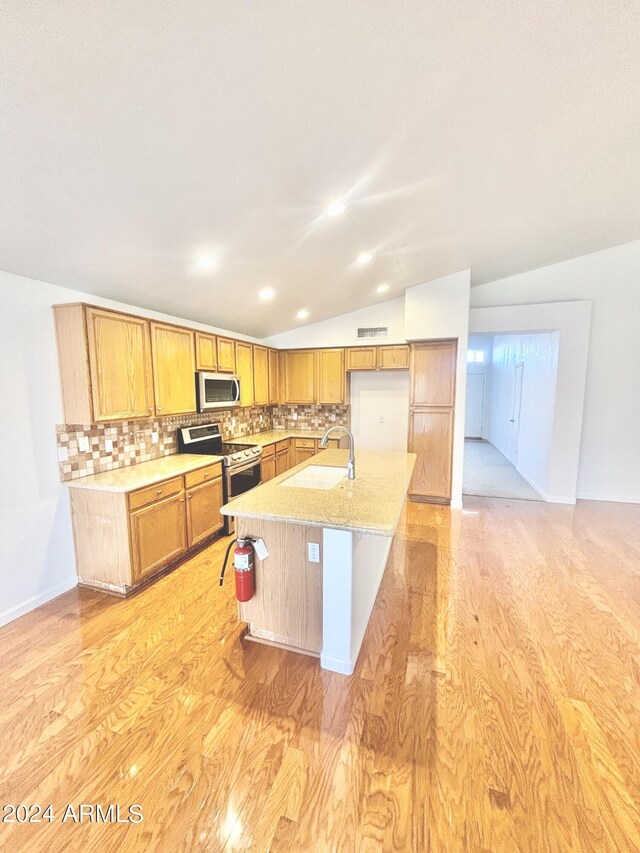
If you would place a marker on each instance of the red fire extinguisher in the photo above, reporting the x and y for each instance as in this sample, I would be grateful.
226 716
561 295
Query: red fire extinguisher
243 566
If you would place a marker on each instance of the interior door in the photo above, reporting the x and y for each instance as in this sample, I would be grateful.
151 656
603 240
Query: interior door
474 412
515 413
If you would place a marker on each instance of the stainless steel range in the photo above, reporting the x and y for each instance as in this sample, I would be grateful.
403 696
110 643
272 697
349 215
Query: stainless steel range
241 463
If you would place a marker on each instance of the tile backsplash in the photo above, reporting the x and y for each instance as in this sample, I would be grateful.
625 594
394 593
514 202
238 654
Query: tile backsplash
309 417
91 449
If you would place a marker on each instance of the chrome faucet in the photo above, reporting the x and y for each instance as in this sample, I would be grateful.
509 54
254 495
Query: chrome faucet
351 464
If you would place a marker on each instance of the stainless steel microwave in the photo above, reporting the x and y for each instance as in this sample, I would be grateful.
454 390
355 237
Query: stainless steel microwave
217 391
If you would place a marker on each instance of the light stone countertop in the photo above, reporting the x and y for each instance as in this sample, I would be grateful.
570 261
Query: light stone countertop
143 473
271 436
369 504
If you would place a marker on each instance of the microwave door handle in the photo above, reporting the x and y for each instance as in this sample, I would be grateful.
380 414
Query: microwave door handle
237 394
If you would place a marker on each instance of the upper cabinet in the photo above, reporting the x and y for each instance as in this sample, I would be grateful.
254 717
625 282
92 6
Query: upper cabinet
226 355
331 387
299 376
105 364
433 372
174 367
260 376
206 352
273 357
393 357
244 367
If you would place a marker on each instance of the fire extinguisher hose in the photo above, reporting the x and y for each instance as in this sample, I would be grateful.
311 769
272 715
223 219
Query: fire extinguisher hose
226 560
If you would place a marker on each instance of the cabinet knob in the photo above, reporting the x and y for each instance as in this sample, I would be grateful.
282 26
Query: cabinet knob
158 491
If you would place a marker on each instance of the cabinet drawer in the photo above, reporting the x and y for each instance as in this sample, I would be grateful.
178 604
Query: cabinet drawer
157 492
202 475
283 446
305 442
268 451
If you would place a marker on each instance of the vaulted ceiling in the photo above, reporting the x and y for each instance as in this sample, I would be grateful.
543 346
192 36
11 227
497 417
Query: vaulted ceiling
137 139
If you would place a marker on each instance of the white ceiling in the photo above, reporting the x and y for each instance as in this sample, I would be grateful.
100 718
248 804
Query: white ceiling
137 135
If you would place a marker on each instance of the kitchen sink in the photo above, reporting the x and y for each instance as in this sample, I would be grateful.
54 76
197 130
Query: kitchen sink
316 477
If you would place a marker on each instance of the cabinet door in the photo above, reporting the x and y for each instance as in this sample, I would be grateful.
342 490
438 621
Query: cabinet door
260 376
174 368
244 364
282 462
206 352
274 377
302 453
431 438
158 535
362 358
300 376
268 468
331 376
203 511
226 355
393 358
433 373
120 366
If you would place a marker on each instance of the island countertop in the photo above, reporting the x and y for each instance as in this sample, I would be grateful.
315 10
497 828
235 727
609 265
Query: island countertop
143 474
369 504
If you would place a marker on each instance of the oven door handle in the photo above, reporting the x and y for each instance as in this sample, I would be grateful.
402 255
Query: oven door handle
238 469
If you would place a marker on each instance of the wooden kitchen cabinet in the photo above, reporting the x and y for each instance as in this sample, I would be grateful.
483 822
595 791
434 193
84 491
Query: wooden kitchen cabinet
174 367
268 467
244 366
158 535
104 360
260 376
300 454
393 357
273 358
283 456
203 511
331 386
431 418
362 358
206 352
299 376
226 355
121 538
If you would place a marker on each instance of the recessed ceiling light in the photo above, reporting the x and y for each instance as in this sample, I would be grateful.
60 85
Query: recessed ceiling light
336 208
208 261
267 293
302 314
364 257
382 288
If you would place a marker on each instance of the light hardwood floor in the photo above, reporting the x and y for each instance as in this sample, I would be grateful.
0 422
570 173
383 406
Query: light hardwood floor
495 705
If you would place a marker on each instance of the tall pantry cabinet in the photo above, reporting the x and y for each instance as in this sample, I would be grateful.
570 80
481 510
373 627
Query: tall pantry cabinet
432 373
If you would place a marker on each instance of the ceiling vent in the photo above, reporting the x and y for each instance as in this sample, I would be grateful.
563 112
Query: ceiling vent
373 332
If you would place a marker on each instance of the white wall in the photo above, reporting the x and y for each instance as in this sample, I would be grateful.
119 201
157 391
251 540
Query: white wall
375 396
609 457
36 549
538 354
341 331
440 309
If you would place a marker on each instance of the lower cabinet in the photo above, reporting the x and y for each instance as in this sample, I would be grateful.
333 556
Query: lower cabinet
158 535
283 456
304 448
122 538
268 463
203 511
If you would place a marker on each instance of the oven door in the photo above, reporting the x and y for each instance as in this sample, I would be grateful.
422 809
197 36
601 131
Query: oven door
217 391
237 481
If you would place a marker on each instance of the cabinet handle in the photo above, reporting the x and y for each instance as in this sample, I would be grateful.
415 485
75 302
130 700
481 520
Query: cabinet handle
181 500
206 475
159 408
158 491
189 496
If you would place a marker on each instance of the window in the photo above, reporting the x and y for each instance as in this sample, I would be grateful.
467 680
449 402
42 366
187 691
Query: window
475 355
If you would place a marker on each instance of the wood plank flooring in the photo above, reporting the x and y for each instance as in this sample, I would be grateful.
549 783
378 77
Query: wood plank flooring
495 705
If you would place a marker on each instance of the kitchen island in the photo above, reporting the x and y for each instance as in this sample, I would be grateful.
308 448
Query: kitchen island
328 539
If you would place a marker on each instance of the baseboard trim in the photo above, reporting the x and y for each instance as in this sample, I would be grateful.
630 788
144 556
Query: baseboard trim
344 666
36 601
586 496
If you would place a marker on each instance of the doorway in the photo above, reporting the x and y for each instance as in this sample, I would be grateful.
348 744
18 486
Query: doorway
509 412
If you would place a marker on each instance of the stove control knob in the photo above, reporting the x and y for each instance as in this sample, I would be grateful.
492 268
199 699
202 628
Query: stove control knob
247 453
236 456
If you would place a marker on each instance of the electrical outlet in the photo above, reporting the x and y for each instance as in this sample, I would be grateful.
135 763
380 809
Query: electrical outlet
381 419
294 416
108 445
314 552
154 438
233 423
83 444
